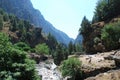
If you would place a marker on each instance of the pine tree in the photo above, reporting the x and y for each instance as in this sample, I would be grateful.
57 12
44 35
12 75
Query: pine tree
70 47
1 22
85 29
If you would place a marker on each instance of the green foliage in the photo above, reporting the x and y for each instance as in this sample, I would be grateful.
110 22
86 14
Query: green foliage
79 48
97 40
1 22
21 30
106 9
100 10
52 42
14 63
111 36
42 49
5 17
85 29
22 46
4 43
60 54
71 67
1 11
70 47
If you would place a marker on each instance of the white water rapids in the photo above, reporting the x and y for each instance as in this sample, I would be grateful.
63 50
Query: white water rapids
48 71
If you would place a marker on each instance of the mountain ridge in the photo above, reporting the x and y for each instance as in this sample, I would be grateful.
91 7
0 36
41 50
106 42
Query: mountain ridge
25 10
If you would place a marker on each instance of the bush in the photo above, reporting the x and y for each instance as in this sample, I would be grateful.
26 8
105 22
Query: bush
71 67
42 49
111 36
22 46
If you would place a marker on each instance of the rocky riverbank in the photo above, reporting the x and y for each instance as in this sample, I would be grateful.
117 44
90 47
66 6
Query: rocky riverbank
101 66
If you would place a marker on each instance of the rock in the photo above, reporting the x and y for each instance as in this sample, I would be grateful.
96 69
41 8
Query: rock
95 64
115 20
110 75
115 57
37 57
99 24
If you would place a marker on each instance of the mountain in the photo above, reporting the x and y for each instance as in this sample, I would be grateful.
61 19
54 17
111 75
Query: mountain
79 39
24 9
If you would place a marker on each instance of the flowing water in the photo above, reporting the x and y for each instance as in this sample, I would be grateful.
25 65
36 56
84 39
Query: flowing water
48 70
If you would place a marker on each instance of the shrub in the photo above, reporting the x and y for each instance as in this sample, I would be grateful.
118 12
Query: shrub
71 67
22 46
111 36
42 49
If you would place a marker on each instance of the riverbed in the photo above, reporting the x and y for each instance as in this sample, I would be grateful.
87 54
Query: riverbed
48 71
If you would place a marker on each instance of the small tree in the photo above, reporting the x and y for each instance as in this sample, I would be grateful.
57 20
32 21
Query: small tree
42 49
71 67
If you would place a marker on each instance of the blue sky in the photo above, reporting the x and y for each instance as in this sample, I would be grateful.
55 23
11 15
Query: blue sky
66 15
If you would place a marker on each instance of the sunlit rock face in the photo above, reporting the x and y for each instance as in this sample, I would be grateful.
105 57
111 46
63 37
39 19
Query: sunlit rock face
110 75
93 65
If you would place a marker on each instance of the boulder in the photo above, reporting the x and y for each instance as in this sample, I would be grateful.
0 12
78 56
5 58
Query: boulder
95 64
115 56
110 75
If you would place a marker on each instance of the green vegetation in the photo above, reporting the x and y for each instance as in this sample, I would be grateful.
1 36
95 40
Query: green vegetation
85 31
1 22
103 33
20 30
70 47
106 10
79 48
60 54
71 67
14 63
25 38
52 42
22 46
111 36
42 49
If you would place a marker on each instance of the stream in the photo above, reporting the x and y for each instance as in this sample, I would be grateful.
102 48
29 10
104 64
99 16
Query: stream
48 70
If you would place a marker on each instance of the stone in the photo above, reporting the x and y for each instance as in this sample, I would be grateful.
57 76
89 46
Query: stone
37 57
110 75
96 64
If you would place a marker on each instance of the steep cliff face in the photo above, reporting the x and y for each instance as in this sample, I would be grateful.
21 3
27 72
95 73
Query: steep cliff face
24 10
